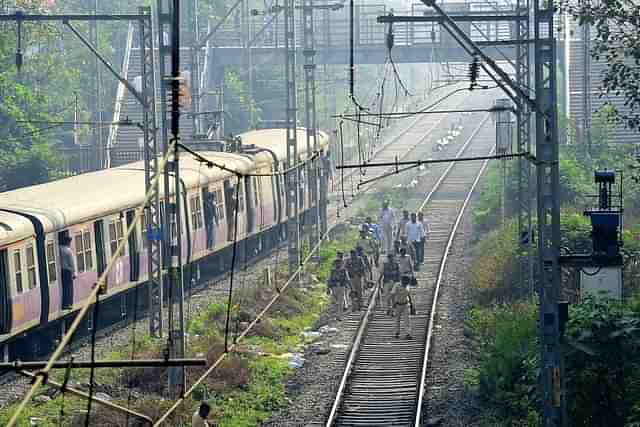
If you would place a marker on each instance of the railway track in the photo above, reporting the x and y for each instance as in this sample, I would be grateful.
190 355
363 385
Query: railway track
405 143
384 377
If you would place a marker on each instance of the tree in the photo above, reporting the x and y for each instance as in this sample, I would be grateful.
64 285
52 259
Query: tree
617 25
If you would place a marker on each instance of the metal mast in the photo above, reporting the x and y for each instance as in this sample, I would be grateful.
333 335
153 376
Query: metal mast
293 229
311 122
523 120
153 219
552 375
169 48
98 138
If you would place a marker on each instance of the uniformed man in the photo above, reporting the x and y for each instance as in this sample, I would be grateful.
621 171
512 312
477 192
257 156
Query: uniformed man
337 285
401 300
368 246
405 264
411 251
390 276
356 268
368 272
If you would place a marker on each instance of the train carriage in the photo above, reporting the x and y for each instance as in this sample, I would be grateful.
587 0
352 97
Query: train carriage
95 209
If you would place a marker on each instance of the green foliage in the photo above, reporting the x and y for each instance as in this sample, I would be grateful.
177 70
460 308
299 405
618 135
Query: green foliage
602 369
504 338
493 273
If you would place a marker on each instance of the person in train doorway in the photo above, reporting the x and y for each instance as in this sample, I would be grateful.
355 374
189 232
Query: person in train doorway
211 212
401 304
415 233
390 276
337 285
387 220
68 270
425 232
402 224
199 418
356 268
405 263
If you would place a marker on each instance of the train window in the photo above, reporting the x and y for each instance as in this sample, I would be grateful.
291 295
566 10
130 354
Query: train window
88 255
220 204
31 268
196 212
51 261
116 234
17 267
257 189
144 228
79 253
240 193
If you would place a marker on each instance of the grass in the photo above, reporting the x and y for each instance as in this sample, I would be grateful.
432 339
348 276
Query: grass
246 388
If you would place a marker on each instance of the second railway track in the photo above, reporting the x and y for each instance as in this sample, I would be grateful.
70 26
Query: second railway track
384 377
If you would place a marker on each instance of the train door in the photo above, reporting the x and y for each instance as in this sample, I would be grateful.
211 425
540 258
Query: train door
101 260
5 294
134 253
230 191
249 203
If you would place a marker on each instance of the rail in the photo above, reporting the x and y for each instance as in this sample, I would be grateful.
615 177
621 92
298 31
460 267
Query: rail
432 314
340 394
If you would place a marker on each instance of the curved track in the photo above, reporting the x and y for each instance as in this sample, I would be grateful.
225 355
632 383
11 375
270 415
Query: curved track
383 381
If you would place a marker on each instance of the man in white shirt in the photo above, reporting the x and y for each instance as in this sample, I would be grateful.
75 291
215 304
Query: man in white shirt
387 221
415 232
425 229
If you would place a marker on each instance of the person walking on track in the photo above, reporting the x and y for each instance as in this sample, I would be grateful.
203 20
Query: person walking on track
387 222
415 233
368 246
425 232
401 300
390 276
405 263
356 268
402 223
337 285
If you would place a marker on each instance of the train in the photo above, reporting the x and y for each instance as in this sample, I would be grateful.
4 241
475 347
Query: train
94 210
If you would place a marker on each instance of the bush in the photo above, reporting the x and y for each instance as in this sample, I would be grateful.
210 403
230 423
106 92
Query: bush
505 339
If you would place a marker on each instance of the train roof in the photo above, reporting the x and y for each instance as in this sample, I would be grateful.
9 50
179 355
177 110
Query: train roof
14 228
274 139
85 197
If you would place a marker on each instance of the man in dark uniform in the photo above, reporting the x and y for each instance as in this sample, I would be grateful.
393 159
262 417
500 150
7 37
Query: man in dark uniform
390 276
356 268
338 283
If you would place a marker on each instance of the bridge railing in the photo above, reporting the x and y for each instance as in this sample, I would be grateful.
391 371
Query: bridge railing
332 27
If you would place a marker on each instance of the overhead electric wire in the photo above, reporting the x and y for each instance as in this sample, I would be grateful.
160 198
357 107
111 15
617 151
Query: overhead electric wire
245 332
96 314
234 252
42 376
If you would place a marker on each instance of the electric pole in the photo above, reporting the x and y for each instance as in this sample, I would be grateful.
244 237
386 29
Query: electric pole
292 176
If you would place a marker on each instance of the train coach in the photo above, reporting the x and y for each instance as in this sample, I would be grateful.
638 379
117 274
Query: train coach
94 210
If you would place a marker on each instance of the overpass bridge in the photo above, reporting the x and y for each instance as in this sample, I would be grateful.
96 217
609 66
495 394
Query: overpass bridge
421 41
